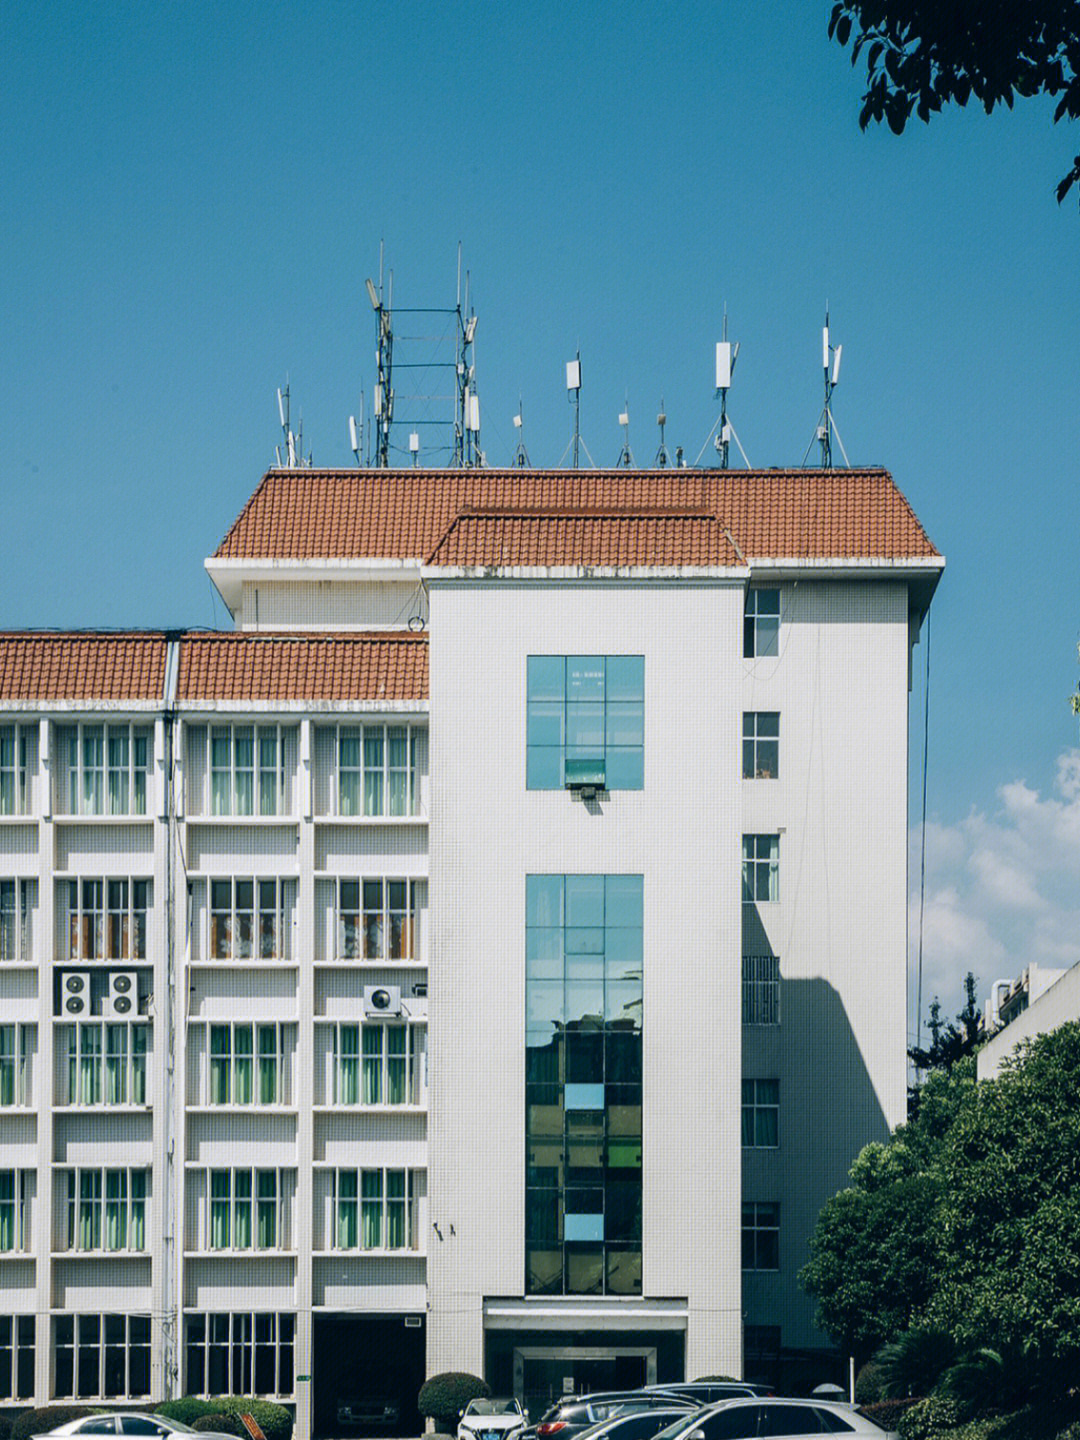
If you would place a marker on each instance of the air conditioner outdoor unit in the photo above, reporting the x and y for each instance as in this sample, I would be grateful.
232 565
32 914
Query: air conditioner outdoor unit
122 999
75 993
382 999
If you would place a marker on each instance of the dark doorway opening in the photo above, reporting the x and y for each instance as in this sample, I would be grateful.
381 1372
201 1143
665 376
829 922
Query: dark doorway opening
366 1373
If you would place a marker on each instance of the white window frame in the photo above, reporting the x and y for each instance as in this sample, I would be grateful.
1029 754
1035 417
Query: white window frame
754 743
373 779
16 1047
271 896
360 1198
231 1057
100 1058
761 871
353 938
14 769
126 752
246 1189
265 775
93 1194
238 1333
759 639
15 1210
18 900
760 1097
110 922
77 1324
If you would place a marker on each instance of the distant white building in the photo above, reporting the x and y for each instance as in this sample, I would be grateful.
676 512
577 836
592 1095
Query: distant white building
1037 1001
488 957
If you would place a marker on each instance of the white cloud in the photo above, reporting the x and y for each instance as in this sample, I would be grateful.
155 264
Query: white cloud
1002 890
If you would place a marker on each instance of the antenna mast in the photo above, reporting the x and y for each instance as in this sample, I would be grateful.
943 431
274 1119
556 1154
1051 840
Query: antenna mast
521 455
723 432
626 459
384 365
661 454
293 457
573 394
827 425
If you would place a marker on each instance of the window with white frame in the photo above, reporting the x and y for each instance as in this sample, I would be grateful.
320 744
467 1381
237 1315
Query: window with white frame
247 770
378 1063
18 899
760 867
375 1209
761 1114
761 622
761 990
17 1337
251 919
106 1209
104 1063
246 1064
15 755
101 1356
239 1354
378 769
761 744
16 1047
14 1219
107 919
104 769
246 1209
378 919
760 1235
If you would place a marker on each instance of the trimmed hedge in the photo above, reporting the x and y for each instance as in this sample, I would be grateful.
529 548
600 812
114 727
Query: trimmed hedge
443 1397
187 1410
46 1417
887 1413
223 1422
927 1419
275 1421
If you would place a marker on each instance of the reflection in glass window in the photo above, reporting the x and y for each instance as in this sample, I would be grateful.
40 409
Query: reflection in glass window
761 623
101 1356
585 719
239 1354
583 944
377 919
761 867
761 744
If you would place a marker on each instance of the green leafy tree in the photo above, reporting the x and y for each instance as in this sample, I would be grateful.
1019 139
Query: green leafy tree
950 1041
923 54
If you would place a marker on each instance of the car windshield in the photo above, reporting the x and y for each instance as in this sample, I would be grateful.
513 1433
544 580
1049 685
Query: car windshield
677 1427
179 1426
493 1407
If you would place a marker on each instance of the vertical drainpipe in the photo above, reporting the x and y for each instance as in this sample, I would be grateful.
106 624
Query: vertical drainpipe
170 1279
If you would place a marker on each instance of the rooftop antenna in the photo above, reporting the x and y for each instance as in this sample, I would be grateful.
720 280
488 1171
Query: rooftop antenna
521 455
356 432
293 456
383 405
661 454
626 459
723 432
827 425
573 394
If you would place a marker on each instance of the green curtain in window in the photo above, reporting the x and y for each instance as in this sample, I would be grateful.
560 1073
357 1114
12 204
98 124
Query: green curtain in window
7 1210
219 772
373 771
244 770
348 1069
220 1192
398 765
138 1209
115 1064
347 1207
267 1206
93 759
219 1064
397 1039
116 1209
268 1065
118 747
350 765
243 1065
395 1209
7 1064
373 1050
140 1037
268 746
90 1210
90 1065
242 1210
138 805
371 1209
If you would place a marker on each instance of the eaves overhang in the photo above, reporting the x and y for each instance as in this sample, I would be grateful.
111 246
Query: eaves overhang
435 575
921 573
229 575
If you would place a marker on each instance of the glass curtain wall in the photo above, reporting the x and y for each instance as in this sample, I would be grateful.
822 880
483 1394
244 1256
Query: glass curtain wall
583 1084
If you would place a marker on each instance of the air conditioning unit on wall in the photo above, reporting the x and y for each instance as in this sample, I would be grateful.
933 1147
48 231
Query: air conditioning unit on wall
382 1000
122 998
75 993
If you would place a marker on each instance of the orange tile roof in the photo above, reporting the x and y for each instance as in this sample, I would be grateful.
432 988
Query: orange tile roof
545 537
405 514
81 665
302 667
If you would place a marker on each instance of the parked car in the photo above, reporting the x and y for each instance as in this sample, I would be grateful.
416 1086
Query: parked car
707 1392
370 1412
132 1422
574 1413
749 1418
491 1420
635 1424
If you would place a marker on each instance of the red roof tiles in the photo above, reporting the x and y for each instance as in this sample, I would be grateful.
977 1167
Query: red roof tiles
388 514
303 667
44 665
544 538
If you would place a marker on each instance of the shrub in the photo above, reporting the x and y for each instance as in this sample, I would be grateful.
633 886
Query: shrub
868 1384
222 1421
274 1421
715 1380
887 1413
46 1417
912 1363
929 1419
443 1397
187 1410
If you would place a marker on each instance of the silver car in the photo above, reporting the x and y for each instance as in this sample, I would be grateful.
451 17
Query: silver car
755 1418
132 1422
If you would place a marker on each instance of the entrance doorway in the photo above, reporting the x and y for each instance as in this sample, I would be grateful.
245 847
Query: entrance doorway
544 1374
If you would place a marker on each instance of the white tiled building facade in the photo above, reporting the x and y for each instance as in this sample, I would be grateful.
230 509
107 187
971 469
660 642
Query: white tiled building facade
488 957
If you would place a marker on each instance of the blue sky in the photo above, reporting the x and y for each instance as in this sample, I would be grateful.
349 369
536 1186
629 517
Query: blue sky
195 195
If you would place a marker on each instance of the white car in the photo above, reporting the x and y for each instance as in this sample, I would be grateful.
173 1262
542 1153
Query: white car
132 1422
744 1419
490 1420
